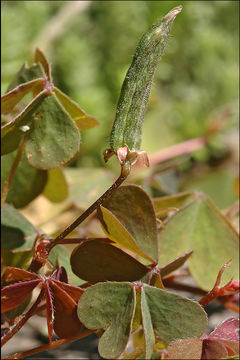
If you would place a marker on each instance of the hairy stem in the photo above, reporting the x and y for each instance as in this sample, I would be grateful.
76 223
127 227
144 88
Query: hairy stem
24 318
12 171
52 345
124 173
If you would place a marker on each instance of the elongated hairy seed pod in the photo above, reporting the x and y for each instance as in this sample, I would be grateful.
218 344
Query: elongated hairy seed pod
132 104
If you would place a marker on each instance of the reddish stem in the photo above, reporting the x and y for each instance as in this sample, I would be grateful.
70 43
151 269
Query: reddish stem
182 148
52 345
94 206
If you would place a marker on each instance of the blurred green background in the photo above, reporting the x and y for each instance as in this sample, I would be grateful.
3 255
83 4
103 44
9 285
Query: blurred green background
91 44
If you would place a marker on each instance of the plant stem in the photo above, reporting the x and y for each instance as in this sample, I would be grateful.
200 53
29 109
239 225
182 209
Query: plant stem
12 171
49 346
24 318
182 148
68 241
124 174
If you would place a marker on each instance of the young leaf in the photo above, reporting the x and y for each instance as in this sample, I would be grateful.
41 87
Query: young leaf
176 201
128 218
173 316
18 234
200 226
27 183
173 265
56 188
41 58
110 306
95 261
82 119
25 74
13 97
54 138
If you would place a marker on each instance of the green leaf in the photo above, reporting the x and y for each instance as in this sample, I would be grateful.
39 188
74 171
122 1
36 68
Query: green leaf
173 265
56 189
12 133
54 138
25 74
110 306
96 260
82 119
13 97
173 316
18 234
147 326
176 200
128 218
200 226
27 183
60 256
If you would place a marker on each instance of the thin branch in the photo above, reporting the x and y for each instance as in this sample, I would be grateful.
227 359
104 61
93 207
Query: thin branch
12 171
182 148
59 23
124 174
52 345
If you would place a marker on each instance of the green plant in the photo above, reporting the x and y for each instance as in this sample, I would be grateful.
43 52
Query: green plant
118 282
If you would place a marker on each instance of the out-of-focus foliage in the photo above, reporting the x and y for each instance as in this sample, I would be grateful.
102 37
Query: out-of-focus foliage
195 87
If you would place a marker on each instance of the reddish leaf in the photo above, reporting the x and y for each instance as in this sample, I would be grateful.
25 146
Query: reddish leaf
227 330
66 322
50 311
12 275
13 295
73 291
228 333
213 349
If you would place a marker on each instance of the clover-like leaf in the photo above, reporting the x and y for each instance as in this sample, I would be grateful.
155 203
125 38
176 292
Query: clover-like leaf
200 226
170 315
18 234
81 118
96 260
27 183
128 218
56 188
54 138
110 306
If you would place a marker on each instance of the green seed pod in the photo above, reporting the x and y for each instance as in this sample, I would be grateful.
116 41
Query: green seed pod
132 104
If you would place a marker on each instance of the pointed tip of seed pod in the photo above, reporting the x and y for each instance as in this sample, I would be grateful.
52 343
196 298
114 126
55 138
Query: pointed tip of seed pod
172 13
